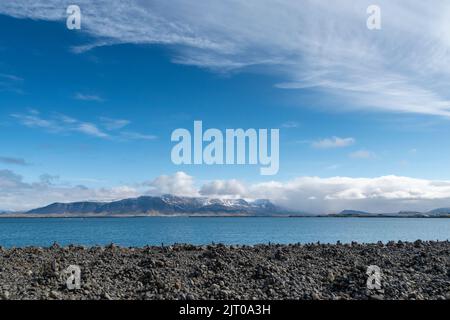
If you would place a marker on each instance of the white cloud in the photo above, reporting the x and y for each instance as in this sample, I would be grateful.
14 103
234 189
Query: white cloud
306 194
33 120
129 135
13 161
60 123
114 124
88 97
16 194
380 194
327 195
11 77
179 184
10 82
334 142
290 125
90 129
10 180
311 44
221 188
362 154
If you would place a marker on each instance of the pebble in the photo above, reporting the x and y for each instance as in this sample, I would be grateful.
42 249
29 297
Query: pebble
416 270
6 295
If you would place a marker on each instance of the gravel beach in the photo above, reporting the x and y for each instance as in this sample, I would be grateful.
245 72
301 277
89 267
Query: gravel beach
418 270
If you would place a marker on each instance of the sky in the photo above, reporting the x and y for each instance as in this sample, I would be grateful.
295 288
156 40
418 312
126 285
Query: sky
363 114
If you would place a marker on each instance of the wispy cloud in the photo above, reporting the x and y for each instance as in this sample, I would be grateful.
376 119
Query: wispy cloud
58 123
334 142
10 77
10 82
362 154
88 97
13 161
114 124
130 135
311 44
90 129
61 123
33 119
290 124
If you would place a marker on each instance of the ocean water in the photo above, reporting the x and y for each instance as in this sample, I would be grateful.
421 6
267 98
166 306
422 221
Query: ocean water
157 230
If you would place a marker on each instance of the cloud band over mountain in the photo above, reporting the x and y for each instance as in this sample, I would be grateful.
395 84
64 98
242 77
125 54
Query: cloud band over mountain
308 194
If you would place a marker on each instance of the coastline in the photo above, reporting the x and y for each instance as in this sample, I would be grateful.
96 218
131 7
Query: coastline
418 270
87 216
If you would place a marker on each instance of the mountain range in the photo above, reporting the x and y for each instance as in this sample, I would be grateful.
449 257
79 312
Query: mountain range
164 205
170 205
436 213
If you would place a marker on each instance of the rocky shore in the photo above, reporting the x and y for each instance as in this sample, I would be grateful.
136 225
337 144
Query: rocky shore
418 270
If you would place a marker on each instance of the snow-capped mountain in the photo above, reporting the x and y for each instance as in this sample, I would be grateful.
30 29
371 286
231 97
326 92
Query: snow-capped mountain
165 205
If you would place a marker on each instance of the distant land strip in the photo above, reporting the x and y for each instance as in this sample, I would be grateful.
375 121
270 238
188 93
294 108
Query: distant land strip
174 206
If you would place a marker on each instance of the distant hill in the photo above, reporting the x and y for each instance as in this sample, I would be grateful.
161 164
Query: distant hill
443 212
440 212
164 205
352 213
170 205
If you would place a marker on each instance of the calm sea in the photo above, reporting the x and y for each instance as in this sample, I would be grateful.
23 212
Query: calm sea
156 230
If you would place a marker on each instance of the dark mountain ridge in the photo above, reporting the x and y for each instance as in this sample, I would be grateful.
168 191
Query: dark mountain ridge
436 213
164 205
201 206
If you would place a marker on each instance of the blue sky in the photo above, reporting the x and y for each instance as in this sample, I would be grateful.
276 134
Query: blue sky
84 112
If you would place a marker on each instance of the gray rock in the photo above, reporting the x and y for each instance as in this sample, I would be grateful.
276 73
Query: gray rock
6 295
417 270
54 294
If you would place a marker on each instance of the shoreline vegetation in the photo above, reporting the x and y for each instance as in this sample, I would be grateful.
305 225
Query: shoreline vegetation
418 270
